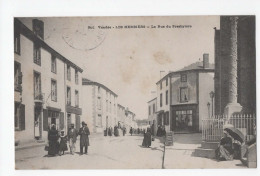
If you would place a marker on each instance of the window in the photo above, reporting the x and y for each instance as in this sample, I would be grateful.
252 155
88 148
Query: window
76 77
76 98
99 121
38 28
53 90
36 54
17 42
19 116
183 78
99 103
110 107
149 110
37 86
68 96
53 64
68 73
166 97
184 119
161 100
184 94
161 85
166 81
107 105
17 77
153 108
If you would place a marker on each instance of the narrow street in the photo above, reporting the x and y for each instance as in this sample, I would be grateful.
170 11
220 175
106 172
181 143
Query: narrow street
124 153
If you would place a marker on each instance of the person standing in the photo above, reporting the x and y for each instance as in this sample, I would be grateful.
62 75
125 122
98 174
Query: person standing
63 143
72 138
53 137
131 131
84 140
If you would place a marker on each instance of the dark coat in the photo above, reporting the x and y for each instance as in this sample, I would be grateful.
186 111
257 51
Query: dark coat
63 143
84 140
53 137
147 141
72 135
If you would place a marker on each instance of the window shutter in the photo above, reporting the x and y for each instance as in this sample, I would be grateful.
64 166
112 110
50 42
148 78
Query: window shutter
45 120
178 95
77 122
22 117
61 120
188 94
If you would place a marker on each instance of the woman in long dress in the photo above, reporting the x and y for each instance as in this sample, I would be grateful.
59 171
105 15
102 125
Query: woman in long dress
147 141
53 137
225 150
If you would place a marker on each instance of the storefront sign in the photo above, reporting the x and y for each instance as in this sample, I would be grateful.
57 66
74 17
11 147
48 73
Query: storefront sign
74 110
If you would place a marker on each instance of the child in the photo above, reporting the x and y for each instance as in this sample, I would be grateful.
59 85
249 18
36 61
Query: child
63 143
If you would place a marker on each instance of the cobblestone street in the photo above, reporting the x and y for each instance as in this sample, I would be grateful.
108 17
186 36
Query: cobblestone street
124 153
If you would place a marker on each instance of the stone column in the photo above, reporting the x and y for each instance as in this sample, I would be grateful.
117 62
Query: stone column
233 106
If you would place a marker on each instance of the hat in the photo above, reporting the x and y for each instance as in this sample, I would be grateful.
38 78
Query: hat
83 123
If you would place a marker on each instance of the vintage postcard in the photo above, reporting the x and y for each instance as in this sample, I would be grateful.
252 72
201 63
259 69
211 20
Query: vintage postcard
153 92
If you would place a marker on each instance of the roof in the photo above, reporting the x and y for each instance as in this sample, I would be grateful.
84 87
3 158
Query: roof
86 81
120 106
197 66
33 37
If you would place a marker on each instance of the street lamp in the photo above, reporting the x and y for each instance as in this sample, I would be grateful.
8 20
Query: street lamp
212 95
208 104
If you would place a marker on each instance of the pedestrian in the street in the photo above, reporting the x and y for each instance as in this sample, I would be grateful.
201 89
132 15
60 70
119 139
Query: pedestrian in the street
147 141
63 143
84 140
225 149
53 137
131 131
72 138
124 131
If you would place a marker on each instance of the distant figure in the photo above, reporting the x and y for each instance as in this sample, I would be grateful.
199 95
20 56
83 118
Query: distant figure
53 137
63 143
110 131
72 138
84 140
131 131
147 141
124 131
138 131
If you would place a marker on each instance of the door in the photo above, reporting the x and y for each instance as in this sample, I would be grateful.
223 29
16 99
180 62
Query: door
37 122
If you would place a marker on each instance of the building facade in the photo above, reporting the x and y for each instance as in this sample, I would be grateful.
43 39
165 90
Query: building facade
99 106
183 96
152 109
235 61
41 85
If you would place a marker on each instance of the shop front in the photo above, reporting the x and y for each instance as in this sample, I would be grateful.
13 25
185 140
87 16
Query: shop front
184 118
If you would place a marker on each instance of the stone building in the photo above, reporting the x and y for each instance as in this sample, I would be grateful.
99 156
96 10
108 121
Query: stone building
47 89
99 106
235 65
152 109
182 96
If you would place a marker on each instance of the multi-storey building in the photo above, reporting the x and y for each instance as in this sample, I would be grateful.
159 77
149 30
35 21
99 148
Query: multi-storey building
99 106
46 84
152 109
182 96
121 114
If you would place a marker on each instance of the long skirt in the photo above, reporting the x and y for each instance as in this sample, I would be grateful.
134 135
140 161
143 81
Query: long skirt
223 154
53 148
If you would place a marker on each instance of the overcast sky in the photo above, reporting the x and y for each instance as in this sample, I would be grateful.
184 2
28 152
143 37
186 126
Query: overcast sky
129 61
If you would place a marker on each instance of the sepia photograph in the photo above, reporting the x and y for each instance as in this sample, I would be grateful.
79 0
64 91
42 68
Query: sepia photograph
134 92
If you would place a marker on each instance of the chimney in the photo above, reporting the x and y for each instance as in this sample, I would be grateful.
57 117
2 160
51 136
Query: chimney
205 60
38 28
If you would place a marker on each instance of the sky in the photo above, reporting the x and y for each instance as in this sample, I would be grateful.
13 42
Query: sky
129 61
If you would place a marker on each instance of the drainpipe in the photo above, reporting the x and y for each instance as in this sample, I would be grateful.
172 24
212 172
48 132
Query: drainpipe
65 97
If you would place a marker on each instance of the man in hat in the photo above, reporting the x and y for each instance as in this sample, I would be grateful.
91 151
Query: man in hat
84 140
72 138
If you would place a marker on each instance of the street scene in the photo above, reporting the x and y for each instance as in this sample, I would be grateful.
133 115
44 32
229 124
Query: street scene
173 92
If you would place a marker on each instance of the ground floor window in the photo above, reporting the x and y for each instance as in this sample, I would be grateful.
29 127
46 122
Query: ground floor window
19 116
99 120
184 119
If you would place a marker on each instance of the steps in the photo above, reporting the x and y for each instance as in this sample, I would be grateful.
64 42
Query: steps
207 150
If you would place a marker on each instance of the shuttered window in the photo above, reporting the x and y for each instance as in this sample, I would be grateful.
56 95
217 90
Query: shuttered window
77 122
61 120
45 120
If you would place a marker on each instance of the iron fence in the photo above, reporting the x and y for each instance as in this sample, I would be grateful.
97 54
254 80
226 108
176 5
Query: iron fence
212 128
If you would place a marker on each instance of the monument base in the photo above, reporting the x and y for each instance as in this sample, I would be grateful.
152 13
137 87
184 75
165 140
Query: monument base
232 108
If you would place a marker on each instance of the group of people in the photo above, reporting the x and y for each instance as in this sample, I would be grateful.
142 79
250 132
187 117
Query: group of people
110 131
57 141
